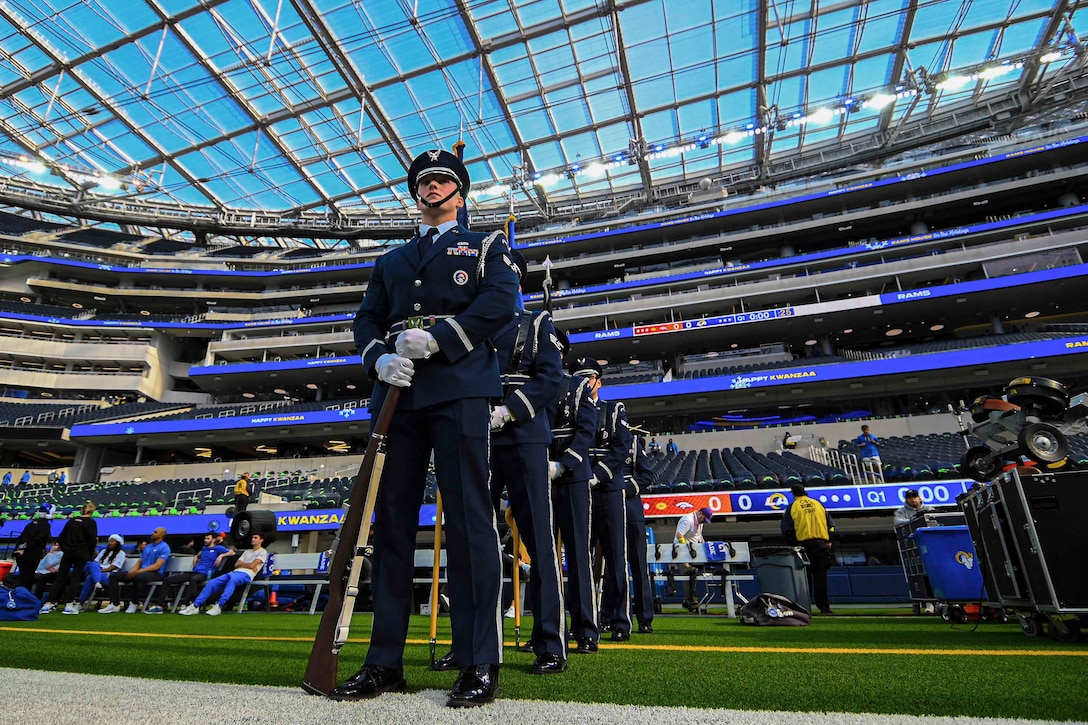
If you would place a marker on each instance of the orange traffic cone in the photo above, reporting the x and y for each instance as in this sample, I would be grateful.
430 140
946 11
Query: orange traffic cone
272 603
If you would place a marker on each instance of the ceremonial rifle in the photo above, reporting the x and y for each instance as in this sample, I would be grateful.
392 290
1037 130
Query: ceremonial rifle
347 556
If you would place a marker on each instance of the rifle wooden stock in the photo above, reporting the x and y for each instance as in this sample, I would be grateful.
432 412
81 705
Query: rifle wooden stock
321 670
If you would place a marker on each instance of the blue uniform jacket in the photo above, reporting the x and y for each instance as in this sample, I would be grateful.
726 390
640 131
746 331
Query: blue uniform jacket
573 419
534 387
638 473
612 446
465 288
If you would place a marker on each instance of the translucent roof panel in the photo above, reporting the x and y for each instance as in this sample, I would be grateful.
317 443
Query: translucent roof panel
320 105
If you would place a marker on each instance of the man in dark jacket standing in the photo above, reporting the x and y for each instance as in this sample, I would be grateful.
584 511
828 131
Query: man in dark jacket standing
30 548
77 542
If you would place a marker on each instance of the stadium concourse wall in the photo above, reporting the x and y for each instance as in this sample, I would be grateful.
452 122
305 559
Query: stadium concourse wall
767 438
763 439
269 469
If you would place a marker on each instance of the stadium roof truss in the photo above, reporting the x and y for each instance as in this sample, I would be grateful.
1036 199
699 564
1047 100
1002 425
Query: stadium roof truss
303 115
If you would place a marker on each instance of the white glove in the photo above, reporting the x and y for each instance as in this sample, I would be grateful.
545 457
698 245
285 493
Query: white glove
416 344
500 416
395 370
593 482
555 470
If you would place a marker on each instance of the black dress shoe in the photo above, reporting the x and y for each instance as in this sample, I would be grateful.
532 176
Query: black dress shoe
605 628
445 663
645 628
527 647
618 635
370 681
549 664
476 685
586 646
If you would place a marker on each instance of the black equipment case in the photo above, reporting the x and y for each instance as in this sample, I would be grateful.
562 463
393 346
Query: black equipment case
1029 529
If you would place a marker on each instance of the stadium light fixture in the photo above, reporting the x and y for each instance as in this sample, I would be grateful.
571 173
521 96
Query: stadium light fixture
996 71
640 150
880 100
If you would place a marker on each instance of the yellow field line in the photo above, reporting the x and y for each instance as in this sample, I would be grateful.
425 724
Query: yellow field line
625 646
165 635
856 650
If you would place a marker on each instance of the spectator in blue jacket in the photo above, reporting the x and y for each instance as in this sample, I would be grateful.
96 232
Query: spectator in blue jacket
870 451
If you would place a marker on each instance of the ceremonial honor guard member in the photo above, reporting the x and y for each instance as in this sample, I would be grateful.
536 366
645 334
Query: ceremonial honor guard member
608 520
637 474
424 325
532 368
532 365
574 427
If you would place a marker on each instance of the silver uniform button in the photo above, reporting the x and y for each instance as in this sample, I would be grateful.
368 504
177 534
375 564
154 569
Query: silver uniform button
418 282
417 307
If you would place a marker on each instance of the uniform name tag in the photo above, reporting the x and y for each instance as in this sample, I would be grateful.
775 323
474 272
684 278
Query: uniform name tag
462 251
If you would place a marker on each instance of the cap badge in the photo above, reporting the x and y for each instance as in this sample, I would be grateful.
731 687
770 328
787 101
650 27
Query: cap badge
433 155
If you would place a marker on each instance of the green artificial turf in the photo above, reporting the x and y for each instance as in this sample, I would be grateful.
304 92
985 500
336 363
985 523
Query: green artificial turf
650 670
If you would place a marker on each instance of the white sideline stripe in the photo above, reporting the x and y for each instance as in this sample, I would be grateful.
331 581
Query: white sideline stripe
72 699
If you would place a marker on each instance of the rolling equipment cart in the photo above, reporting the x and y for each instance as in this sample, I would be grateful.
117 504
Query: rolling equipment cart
1028 527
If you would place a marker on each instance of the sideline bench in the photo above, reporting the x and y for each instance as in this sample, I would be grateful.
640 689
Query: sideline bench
176 564
715 560
294 563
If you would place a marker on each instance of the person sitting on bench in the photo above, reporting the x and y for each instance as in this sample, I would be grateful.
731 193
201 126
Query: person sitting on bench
245 569
205 564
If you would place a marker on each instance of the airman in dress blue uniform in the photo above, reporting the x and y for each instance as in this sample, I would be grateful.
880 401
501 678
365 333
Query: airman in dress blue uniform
574 427
637 474
609 518
532 368
521 434
424 325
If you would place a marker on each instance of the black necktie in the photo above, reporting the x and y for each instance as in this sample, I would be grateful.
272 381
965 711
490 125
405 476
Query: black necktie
426 240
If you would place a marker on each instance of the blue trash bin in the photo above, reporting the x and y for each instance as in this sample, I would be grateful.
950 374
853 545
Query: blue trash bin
948 555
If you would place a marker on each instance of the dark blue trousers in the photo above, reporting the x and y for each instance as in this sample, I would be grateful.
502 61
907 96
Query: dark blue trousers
457 432
523 470
570 499
642 585
609 530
